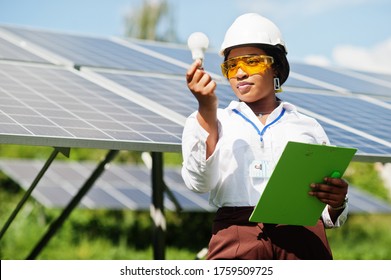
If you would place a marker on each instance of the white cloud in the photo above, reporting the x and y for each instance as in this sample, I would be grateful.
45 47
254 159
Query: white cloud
298 8
319 60
376 58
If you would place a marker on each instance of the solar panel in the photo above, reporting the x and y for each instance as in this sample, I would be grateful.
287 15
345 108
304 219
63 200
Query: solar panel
120 187
354 112
294 81
94 51
302 75
180 100
123 54
367 148
9 51
41 105
129 187
170 91
382 77
344 79
363 202
212 59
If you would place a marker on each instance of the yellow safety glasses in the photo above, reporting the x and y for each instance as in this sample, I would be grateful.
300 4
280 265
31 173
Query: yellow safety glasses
251 64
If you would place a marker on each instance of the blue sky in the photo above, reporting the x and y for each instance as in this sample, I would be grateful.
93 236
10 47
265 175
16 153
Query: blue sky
348 33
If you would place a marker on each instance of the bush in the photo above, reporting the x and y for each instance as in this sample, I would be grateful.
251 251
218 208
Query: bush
363 237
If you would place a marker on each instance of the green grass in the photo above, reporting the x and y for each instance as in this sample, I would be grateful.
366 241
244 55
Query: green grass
116 235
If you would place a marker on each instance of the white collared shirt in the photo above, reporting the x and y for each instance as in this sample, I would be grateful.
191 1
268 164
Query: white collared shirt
227 174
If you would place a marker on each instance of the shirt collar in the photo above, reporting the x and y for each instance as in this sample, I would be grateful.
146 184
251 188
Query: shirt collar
244 109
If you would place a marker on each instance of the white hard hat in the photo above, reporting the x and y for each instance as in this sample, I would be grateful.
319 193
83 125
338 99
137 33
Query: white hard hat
252 28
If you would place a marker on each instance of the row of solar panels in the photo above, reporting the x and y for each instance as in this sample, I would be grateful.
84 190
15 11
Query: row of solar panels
116 53
129 186
68 90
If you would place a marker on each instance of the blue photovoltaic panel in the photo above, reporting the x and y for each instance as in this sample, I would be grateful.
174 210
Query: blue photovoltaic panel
348 110
174 94
170 92
95 52
363 202
344 138
129 187
297 83
212 62
377 75
350 83
53 106
212 59
9 51
119 187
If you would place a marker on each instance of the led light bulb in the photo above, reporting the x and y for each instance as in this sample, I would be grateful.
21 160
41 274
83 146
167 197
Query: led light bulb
198 42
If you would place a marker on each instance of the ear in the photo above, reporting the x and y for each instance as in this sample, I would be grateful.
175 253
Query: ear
275 69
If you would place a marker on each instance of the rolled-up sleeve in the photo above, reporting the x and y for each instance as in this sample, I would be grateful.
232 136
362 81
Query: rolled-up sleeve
200 174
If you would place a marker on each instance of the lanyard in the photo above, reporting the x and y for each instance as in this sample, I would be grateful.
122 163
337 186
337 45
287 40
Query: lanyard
260 133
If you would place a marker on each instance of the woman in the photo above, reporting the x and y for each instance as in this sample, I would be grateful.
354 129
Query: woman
220 147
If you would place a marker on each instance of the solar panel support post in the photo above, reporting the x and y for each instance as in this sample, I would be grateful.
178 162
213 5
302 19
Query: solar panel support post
172 197
53 155
157 207
54 226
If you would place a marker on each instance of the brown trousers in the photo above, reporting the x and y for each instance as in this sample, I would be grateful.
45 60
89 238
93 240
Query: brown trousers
234 237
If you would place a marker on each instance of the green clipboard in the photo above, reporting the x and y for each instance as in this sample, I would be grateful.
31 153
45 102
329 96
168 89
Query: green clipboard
285 199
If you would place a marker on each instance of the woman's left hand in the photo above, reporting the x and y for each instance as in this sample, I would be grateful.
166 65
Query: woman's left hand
332 191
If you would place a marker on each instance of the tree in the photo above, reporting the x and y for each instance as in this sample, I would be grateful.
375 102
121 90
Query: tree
151 21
